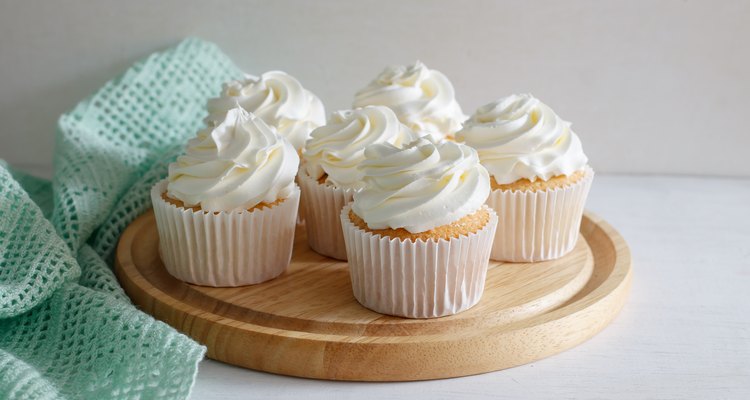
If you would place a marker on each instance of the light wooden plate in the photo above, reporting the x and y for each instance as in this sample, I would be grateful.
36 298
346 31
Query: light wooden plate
307 323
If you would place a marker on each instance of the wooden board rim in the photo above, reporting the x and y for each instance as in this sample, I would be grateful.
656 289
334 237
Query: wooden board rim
606 299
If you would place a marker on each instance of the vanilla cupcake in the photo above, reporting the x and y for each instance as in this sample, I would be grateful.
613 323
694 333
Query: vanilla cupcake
540 176
329 176
226 214
418 235
278 99
422 98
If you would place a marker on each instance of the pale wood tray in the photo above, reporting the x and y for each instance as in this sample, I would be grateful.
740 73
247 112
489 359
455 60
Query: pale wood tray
307 323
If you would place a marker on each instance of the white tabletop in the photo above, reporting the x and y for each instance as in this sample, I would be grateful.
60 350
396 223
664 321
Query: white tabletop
684 332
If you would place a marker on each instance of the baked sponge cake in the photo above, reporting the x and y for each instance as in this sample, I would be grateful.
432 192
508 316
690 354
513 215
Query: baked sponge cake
226 214
540 176
418 235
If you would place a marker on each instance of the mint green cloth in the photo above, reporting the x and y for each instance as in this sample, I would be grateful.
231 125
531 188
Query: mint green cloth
67 330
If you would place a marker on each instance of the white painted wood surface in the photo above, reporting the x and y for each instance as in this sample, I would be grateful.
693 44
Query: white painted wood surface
650 78
684 334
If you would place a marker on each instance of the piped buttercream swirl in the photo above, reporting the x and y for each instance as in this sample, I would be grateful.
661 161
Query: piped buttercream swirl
235 165
421 186
520 137
336 149
278 99
422 98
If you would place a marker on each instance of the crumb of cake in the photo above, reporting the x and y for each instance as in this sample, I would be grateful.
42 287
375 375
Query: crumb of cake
180 204
471 223
525 185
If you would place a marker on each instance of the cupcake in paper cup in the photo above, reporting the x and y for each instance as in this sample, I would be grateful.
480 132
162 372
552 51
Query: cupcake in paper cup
277 98
418 235
422 98
226 214
329 176
540 177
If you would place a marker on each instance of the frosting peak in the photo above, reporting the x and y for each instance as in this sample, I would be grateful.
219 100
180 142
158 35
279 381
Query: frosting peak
520 137
278 99
336 149
235 165
422 98
421 186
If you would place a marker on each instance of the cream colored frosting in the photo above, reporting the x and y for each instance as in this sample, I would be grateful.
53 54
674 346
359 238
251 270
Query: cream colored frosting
520 137
420 186
338 148
277 98
235 165
422 98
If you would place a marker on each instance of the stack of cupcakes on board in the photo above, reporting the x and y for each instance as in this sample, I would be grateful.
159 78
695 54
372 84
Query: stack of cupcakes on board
413 194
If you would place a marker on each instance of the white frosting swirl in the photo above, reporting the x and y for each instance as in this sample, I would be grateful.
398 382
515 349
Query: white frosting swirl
520 137
338 148
235 165
421 186
423 99
277 98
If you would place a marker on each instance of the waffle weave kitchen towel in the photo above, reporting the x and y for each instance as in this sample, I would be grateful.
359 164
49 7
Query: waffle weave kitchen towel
67 330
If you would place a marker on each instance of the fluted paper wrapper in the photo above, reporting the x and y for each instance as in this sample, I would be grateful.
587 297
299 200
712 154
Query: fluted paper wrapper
301 208
421 279
225 248
541 225
323 204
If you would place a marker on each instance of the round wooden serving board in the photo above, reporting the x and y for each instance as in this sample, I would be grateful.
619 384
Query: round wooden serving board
307 322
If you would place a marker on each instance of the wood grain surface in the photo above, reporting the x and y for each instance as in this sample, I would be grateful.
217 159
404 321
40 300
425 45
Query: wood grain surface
307 322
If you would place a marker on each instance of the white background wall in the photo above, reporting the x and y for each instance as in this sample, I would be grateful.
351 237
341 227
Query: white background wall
651 87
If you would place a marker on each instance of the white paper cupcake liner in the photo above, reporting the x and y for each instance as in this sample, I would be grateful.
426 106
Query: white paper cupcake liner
225 248
541 225
323 204
301 208
422 279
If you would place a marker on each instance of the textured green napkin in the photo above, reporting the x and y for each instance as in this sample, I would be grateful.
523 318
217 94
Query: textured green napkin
67 330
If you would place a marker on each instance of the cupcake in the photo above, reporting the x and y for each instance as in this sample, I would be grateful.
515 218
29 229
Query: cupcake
278 99
226 214
422 98
418 235
329 176
540 177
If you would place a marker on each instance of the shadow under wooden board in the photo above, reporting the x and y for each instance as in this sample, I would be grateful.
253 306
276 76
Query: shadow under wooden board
307 322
